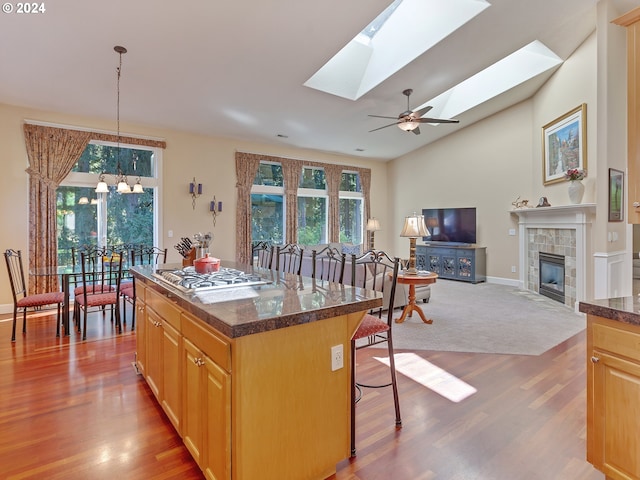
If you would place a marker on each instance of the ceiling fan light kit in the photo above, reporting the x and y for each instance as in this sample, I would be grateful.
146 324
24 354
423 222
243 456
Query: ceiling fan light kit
410 120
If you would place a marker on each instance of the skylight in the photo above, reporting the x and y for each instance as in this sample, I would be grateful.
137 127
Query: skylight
401 33
522 65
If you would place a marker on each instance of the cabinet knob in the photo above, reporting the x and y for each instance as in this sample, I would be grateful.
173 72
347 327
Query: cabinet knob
595 359
198 361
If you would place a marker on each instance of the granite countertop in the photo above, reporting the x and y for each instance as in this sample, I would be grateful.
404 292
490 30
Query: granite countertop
285 300
622 309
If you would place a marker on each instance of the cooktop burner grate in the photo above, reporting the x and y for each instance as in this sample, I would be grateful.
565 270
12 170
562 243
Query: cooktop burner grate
188 280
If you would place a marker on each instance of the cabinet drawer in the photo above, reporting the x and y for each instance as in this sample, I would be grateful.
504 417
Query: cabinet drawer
164 307
214 346
622 342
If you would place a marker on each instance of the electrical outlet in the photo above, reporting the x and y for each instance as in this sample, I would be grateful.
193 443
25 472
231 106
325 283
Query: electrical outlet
337 357
170 233
513 269
512 231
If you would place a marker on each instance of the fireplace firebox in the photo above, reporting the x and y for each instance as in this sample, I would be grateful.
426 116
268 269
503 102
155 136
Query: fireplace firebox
551 276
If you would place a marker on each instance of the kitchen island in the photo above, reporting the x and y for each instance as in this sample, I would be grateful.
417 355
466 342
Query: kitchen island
245 373
613 386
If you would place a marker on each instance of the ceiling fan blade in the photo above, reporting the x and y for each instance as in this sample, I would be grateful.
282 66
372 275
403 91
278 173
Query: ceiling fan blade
422 111
416 130
380 128
382 116
436 120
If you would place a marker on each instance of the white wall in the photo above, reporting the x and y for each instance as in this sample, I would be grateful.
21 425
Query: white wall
486 165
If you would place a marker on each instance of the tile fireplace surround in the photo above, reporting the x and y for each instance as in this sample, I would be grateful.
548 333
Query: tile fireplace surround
563 230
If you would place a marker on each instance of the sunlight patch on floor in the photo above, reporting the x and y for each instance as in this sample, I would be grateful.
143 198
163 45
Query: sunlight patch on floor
434 378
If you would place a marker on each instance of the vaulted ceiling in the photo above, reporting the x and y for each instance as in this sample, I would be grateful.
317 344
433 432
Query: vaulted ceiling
237 69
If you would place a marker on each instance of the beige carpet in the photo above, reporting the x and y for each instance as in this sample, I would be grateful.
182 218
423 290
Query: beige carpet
487 318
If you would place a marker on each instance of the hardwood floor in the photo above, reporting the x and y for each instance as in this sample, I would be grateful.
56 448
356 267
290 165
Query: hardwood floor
77 410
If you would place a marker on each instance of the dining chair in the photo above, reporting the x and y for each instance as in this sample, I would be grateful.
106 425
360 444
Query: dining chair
89 254
261 254
374 270
20 297
289 258
141 255
328 264
101 276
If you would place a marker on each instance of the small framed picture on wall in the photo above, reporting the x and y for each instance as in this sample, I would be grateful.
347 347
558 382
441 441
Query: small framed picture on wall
616 195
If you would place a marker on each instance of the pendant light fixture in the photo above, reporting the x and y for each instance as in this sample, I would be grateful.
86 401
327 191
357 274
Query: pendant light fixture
122 185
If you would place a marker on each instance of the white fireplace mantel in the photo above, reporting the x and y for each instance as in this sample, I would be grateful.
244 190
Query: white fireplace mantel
577 217
551 215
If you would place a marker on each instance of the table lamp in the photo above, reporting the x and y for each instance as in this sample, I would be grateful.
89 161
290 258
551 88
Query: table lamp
373 225
414 227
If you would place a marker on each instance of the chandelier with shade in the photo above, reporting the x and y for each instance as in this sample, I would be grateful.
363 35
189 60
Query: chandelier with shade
122 186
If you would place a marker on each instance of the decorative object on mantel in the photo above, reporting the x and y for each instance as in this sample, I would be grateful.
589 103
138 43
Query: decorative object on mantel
517 203
195 189
543 202
564 144
616 195
576 188
215 208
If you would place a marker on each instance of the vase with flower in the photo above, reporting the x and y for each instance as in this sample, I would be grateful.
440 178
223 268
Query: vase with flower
576 188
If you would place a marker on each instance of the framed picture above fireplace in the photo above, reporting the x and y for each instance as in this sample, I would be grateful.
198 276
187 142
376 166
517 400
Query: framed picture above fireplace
564 145
616 195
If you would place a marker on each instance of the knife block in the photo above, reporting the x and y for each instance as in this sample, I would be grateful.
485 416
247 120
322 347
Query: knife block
188 261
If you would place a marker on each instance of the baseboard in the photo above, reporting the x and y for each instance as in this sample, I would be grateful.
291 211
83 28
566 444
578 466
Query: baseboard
512 282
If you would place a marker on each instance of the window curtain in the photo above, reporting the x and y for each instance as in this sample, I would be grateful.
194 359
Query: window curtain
291 171
246 168
333 175
365 181
52 153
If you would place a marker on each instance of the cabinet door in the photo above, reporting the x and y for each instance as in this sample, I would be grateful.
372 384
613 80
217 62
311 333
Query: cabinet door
217 458
141 338
616 397
193 385
434 263
465 265
154 340
171 374
449 266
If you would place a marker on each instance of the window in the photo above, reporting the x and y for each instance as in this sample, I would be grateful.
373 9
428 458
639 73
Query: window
327 203
351 206
85 217
267 204
312 207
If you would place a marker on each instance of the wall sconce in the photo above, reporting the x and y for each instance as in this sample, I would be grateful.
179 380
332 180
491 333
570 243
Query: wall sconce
83 201
215 208
195 189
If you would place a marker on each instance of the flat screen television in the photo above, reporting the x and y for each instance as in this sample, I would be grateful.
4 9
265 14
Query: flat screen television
450 225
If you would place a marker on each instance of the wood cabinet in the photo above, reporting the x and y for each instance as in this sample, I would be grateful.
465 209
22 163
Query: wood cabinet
141 325
613 397
456 263
163 345
261 405
631 21
207 401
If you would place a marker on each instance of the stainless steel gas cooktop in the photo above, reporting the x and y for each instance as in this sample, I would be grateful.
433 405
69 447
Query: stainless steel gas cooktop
189 281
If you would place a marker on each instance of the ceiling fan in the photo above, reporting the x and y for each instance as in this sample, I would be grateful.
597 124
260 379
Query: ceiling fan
410 120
